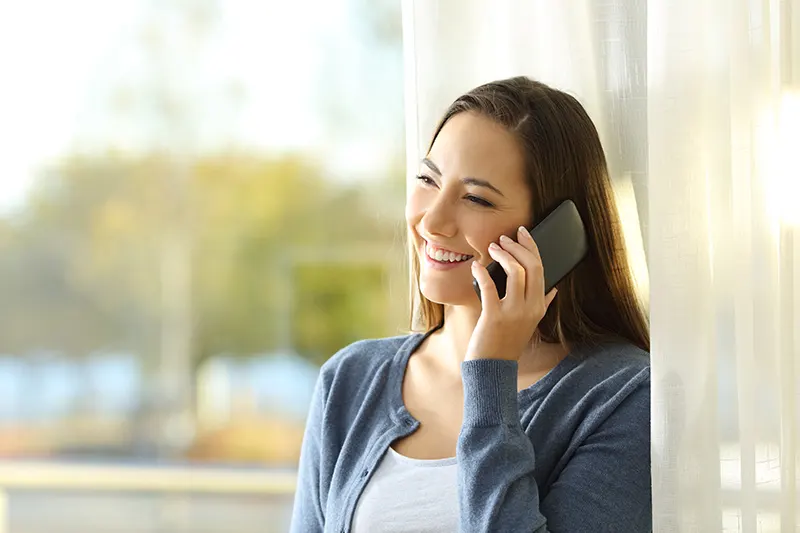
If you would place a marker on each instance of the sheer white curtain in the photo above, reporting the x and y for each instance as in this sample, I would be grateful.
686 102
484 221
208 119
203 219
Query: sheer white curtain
698 107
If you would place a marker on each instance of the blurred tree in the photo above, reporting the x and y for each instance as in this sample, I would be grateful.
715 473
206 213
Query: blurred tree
80 270
179 255
42 304
335 304
256 223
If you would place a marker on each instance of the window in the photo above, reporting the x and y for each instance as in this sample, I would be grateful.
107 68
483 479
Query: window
202 201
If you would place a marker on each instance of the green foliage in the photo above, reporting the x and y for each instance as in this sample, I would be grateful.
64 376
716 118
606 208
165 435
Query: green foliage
81 268
326 300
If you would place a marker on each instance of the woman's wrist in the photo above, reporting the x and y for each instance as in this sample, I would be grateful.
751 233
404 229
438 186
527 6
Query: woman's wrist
490 392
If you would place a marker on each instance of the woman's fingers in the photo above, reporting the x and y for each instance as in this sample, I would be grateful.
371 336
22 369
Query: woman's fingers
549 298
515 286
526 253
535 268
525 240
490 301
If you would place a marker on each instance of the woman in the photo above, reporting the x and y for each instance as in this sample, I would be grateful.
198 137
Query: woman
529 413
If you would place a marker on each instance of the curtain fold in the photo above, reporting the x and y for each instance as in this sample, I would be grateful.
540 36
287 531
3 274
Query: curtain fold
698 108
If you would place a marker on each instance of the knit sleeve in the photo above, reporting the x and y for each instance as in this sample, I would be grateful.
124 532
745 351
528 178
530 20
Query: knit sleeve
605 485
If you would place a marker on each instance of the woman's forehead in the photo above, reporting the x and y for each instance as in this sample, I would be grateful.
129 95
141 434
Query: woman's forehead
473 145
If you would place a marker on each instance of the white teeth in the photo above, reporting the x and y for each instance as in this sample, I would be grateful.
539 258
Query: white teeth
443 256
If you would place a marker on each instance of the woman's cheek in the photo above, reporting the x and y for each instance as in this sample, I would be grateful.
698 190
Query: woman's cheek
413 209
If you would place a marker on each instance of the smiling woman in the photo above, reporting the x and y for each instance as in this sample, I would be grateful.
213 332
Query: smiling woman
526 413
458 209
537 155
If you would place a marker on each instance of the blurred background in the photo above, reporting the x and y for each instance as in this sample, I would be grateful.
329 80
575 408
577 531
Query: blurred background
200 202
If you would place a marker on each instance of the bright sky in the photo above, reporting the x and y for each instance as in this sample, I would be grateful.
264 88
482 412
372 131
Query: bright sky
58 59
47 54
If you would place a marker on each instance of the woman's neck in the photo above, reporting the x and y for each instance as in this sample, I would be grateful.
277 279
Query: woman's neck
454 336
449 343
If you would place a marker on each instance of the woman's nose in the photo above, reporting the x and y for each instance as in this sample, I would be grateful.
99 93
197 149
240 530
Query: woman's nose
439 218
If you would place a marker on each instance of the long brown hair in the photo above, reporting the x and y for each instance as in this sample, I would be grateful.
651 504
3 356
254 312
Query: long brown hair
563 159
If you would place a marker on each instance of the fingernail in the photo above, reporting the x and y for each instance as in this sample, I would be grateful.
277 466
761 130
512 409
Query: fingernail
494 246
524 232
505 239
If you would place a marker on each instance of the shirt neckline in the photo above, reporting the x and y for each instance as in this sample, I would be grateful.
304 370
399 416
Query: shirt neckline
401 415
421 463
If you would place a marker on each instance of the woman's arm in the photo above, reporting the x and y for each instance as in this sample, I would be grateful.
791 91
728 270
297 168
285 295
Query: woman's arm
604 487
308 514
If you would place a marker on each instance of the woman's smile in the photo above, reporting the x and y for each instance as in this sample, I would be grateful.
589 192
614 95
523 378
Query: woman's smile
440 258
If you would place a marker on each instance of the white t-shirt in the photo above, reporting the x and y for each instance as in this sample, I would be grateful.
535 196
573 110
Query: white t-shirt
406 495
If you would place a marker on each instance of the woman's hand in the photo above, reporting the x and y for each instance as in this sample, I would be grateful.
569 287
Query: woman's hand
506 327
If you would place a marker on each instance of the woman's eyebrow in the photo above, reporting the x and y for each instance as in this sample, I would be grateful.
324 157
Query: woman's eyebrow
482 183
467 181
428 163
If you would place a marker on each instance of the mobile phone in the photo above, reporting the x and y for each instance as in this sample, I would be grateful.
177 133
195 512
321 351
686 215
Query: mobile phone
561 239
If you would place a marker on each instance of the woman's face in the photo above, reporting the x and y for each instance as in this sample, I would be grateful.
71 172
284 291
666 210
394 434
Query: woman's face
470 191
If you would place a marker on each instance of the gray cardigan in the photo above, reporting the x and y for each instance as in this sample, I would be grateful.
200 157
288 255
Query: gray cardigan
569 454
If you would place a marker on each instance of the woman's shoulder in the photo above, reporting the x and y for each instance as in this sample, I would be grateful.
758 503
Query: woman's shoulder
353 382
364 357
600 394
618 360
603 374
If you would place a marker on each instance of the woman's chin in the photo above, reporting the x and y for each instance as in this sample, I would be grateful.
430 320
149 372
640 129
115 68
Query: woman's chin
449 295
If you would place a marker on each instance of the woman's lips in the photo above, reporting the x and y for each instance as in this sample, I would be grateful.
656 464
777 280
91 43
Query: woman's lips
444 264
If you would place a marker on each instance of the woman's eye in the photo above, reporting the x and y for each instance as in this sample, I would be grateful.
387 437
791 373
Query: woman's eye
478 200
426 180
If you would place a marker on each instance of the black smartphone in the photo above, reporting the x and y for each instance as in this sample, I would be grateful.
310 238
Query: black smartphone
561 238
